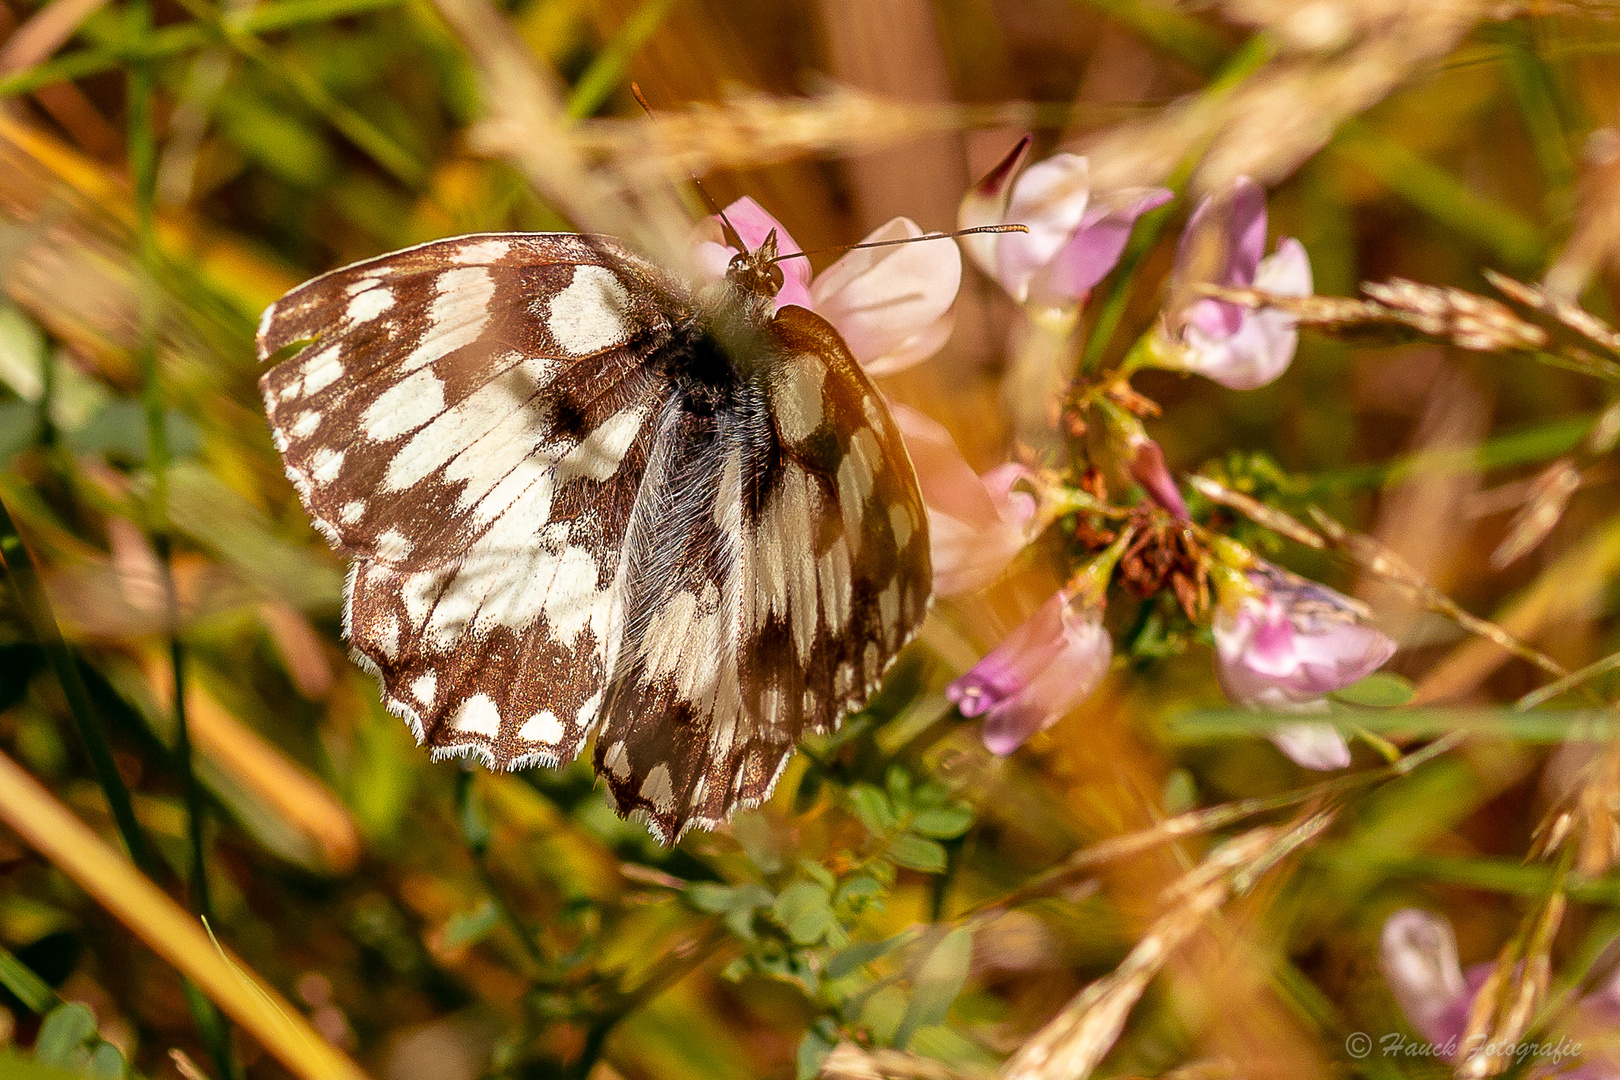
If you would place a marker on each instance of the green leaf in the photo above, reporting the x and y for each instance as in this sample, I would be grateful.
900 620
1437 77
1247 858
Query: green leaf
898 782
937 983
709 896
859 955
918 853
1380 690
883 1012
119 429
818 872
805 910
467 927
872 808
753 832
470 815
944 822
64 1030
738 903
859 888
812 1054
107 1063
26 986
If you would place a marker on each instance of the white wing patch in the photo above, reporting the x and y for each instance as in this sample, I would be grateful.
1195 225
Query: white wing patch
589 316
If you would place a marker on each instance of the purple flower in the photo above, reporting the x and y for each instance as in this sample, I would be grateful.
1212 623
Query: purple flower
1148 469
1237 347
1283 643
1417 952
1050 663
893 306
1075 237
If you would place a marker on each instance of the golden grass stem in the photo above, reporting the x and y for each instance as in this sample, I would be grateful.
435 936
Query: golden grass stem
76 850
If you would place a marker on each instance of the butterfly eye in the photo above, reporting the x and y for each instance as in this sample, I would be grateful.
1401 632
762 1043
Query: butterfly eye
739 264
777 279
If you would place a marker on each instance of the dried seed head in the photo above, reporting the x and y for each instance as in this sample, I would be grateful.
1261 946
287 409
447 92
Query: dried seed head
1549 495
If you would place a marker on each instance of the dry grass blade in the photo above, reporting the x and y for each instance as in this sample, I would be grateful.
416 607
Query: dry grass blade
1400 310
760 129
1291 108
1588 817
1074 1042
45 32
1595 242
1549 495
528 125
1577 324
1502 1010
90 863
1372 556
1258 512
849 1062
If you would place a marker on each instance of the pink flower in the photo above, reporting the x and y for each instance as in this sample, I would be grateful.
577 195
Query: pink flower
1284 643
893 306
1050 663
1239 348
1148 469
976 524
1417 952
1074 239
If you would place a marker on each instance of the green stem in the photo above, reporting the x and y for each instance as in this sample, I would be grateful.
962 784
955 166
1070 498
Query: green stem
143 159
25 582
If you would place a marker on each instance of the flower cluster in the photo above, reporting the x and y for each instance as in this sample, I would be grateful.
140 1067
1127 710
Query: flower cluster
1281 643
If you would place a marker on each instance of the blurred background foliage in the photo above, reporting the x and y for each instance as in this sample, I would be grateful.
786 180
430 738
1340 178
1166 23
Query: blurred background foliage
169 167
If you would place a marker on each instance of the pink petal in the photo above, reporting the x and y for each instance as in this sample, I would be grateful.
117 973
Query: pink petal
976 525
1313 746
1049 664
889 303
1246 228
948 482
986 204
1069 678
1149 470
1262 345
1050 199
1243 236
1417 953
1088 257
915 349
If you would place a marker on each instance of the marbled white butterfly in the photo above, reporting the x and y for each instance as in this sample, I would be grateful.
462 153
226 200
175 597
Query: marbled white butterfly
580 497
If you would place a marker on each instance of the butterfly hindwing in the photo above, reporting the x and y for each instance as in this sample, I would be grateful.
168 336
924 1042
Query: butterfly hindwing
475 439
791 566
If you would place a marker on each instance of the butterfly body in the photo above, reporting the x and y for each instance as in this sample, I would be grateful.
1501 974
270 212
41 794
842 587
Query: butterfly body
581 498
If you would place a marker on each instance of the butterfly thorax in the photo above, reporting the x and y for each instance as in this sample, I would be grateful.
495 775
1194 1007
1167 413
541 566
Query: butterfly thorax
726 343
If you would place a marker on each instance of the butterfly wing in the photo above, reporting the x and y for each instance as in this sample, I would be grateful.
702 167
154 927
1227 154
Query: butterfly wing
470 420
782 567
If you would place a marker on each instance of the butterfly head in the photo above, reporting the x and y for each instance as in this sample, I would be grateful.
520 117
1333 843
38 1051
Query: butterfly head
756 272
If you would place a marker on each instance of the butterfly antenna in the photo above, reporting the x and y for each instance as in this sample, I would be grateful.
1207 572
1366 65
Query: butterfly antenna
976 230
733 239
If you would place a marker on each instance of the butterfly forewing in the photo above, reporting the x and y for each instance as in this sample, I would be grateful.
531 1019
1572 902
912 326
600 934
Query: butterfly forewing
793 566
470 420
570 509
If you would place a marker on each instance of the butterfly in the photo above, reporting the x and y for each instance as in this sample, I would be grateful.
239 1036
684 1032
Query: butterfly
580 497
